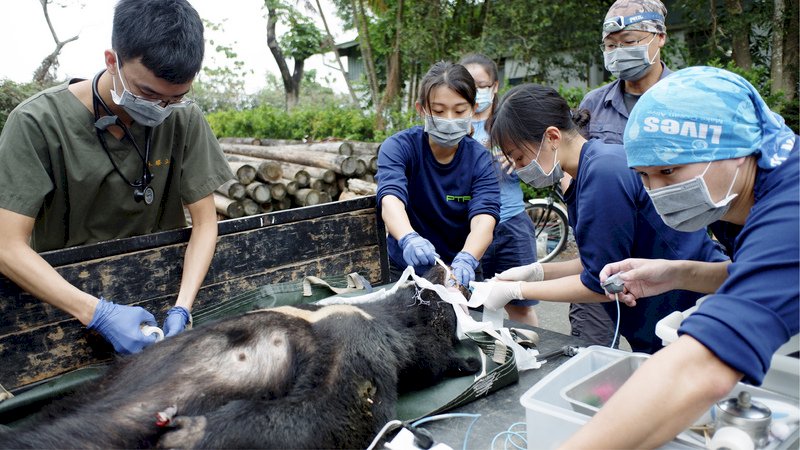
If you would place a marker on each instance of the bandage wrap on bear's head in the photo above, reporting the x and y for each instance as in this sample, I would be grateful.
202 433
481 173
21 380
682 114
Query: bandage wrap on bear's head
703 114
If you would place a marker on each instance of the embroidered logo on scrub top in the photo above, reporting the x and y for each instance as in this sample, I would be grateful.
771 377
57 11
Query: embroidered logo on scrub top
458 198
158 163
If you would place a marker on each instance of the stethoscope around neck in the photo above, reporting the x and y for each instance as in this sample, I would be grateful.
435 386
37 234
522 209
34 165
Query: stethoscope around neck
142 191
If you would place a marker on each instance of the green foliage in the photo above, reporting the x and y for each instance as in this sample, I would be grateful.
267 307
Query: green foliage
573 95
12 94
303 38
759 77
529 192
308 121
314 93
220 84
302 122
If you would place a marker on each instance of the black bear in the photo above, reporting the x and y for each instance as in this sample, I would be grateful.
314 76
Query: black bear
291 377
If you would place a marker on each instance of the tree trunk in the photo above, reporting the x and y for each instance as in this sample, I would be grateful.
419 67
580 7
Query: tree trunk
232 189
290 85
245 172
259 192
712 39
250 207
366 49
306 197
269 171
393 75
277 191
290 170
347 195
362 187
740 34
776 62
791 49
228 207
283 203
343 165
241 140
336 54
291 186
50 61
297 171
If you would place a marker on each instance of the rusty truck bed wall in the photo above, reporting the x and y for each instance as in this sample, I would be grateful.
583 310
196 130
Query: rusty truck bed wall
38 341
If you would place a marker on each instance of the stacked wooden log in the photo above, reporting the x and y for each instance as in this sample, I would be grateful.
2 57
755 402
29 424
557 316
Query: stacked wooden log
277 174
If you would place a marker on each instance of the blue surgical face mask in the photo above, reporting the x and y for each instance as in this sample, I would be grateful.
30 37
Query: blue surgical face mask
535 176
149 113
688 206
630 63
484 99
447 132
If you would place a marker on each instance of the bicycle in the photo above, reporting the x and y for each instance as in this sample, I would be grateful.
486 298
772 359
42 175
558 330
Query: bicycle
550 222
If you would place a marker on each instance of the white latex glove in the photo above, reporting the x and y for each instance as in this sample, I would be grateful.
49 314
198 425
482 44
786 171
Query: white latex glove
501 292
530 272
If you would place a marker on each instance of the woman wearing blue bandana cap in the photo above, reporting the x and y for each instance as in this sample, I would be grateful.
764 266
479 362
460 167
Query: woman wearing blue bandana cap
708 149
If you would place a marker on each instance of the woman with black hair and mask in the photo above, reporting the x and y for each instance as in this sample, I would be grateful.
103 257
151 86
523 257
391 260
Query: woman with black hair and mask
609 211
437 190
514 241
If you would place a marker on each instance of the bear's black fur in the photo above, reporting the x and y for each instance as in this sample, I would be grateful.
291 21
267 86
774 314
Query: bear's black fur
304 377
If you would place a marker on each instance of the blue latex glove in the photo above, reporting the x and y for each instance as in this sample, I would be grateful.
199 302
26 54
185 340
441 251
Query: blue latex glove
177 319
121 326
464 266
417 251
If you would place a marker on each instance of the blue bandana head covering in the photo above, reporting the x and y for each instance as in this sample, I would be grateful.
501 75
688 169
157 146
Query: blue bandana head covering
703 114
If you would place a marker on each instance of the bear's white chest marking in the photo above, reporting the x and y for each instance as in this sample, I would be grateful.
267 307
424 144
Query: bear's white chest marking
323 313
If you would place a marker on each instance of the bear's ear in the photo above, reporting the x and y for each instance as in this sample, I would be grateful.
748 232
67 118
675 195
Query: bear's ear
436 274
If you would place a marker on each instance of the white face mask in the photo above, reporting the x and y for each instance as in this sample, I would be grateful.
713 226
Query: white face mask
149 113
484 99
534 175
447 132
688 206
629 63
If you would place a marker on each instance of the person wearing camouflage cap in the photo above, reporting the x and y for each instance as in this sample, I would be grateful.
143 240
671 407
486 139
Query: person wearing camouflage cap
708 150
633 33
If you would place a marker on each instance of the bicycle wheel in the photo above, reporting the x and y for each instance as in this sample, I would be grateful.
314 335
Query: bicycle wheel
552 228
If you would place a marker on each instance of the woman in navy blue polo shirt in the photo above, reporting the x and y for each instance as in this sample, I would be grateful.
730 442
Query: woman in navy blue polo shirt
609 211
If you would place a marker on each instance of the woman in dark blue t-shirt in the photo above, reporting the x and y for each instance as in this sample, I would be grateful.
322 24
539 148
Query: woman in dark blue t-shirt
609 211
437 190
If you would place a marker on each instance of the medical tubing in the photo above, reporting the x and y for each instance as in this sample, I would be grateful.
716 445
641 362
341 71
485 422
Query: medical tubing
509 434
383 431
451 416
616 329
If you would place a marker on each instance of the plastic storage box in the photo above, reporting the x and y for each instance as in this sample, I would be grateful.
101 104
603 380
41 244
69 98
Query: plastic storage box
590 393
551 417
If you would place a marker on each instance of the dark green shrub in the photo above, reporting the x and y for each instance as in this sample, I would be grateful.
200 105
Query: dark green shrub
12 93
313 123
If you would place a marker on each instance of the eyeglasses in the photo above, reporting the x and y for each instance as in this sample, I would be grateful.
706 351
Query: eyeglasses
182 103
158 103
610 46
619 23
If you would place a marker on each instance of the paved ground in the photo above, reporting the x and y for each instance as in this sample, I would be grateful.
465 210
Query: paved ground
554 316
